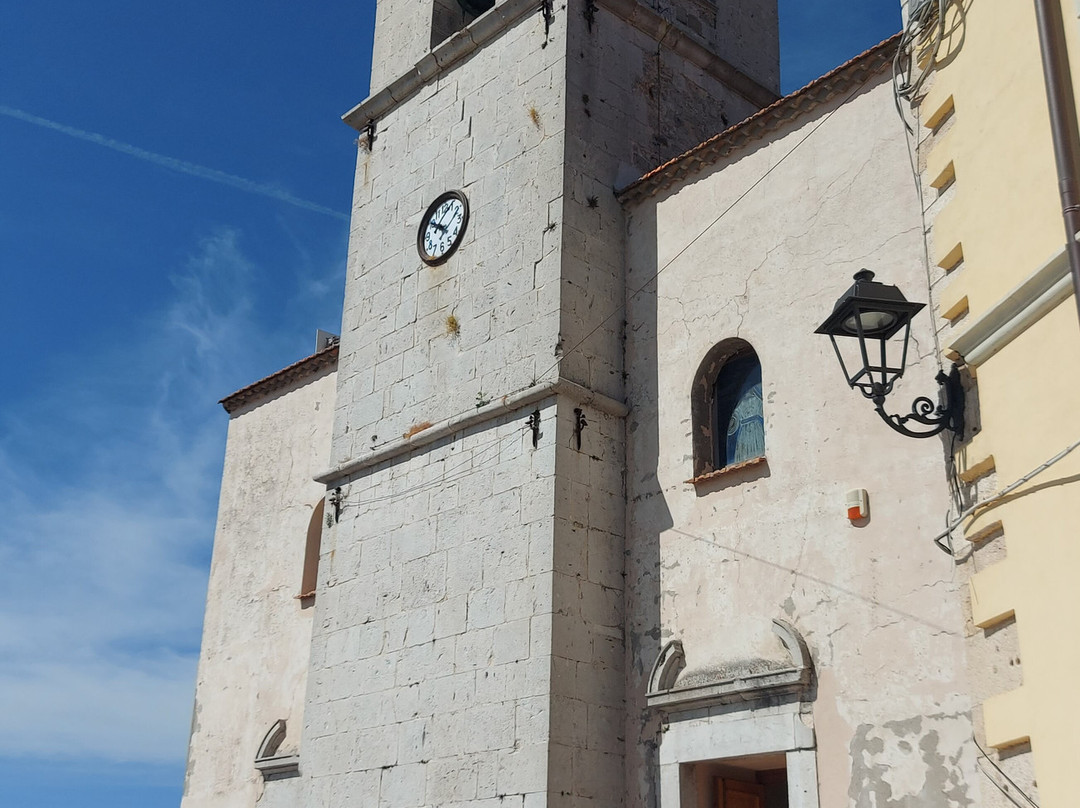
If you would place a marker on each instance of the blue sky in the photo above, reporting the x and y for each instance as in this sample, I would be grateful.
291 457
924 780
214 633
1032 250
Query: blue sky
174 184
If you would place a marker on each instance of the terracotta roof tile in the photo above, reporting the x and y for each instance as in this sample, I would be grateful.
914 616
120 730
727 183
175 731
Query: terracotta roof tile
308 366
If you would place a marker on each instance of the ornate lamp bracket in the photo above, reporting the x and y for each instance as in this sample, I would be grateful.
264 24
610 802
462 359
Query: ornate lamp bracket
947 414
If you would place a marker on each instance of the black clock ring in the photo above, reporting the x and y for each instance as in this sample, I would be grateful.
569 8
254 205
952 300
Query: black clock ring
428 218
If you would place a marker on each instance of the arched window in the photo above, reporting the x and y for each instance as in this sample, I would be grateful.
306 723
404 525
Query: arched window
729 426
310 577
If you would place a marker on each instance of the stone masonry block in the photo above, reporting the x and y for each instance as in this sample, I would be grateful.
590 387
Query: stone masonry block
421 625
486 608
403 786
511 642
423 581
452 780
488 727
523 770
464 569
453 692
569 722
450 616
596 773
540 636
474 649
411 746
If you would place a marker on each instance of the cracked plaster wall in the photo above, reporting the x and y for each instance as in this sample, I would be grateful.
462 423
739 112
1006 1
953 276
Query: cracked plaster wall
712 566
256 637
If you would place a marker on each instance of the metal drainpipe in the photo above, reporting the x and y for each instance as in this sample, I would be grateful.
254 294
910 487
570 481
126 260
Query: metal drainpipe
1063 126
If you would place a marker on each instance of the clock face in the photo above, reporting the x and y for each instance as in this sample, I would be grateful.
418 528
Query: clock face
442 227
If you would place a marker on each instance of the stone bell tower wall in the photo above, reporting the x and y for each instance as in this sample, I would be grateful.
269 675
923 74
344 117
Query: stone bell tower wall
421 344
468 641
640 90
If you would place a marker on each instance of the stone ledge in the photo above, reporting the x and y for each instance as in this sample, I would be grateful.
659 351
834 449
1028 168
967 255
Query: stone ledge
711 476
442 58
1027 303
664 692
510 403
279 767
743 688
689 47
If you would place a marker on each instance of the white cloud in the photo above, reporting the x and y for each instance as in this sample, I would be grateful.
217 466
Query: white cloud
172 163
104 548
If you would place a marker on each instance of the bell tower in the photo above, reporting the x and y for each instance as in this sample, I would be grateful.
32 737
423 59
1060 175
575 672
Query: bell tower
468 636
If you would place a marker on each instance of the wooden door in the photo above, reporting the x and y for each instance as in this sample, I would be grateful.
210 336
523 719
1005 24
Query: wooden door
740 794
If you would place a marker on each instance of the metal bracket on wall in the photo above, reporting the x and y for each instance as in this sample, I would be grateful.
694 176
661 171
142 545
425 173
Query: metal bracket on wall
337 500
947 414
548 9
368 135
533 423
579 425
590 13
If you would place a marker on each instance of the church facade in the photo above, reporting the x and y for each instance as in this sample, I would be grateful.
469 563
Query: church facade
565 518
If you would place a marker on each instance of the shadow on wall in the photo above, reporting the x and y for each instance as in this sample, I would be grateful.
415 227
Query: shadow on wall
648 513
450 16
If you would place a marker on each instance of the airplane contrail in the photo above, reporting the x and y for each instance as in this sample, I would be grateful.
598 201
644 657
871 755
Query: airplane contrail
181 166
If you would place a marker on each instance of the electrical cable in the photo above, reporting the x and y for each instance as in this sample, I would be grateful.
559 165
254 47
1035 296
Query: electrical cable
1004 492
1003 774
917 31
913 159
914 154
476 455
622 306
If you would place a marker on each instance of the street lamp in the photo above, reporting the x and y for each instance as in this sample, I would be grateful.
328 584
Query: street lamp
872 313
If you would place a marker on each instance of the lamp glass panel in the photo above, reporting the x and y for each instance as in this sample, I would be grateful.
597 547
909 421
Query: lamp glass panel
872 321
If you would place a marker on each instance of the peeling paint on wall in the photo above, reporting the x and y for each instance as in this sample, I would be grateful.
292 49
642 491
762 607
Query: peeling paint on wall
908 763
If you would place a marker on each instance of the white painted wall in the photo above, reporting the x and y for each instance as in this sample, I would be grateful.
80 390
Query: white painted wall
256 636
713 565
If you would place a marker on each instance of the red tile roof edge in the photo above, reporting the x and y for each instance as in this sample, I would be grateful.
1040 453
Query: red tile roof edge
821 90
308 366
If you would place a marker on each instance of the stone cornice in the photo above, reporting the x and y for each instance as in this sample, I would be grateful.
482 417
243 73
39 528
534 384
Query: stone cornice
665 692
1043 290
460 46
761 124
496 409
669 35
506 14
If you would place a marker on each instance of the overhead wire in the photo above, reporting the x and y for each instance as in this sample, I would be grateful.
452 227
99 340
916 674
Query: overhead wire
622 306
914 152
641 288
907 86
1001 771
1004 492
926 17
448 475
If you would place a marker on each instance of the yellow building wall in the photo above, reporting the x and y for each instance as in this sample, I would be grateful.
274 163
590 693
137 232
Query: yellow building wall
993 158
